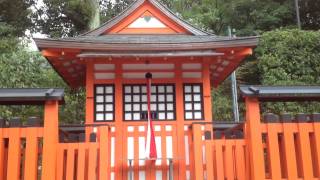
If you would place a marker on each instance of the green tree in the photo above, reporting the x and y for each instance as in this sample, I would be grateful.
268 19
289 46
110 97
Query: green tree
20 68
59 18
290 57
246 16
310 14
110 9
17 14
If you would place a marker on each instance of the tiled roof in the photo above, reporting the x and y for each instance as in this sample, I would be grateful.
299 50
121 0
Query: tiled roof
147 42
30 95
284 93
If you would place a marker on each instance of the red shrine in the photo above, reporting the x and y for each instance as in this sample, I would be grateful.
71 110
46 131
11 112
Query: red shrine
185 62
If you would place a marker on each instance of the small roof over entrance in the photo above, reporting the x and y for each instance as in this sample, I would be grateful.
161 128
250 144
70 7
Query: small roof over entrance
282 93
30 96
148 31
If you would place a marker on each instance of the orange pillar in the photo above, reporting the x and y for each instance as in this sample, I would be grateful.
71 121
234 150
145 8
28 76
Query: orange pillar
180 122
14 152
104 153
89 98
119 160
207 101
197 148
2 158
254 138
89 93
50 140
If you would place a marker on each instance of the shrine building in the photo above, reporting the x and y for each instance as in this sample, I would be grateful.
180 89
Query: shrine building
111 62
186 63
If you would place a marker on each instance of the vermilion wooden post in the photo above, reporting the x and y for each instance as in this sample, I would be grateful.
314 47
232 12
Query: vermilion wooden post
254 138
70 160
89 98
180 121
240 160
197 147
31 159
2 149
304 143
209 159
219 164
316 127
273 149
207 101
120 151
290 152
104 153
14 152
50 140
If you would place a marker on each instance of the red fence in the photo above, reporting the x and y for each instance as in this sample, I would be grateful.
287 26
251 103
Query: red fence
85 160
292 150
287 150
218 158
20 153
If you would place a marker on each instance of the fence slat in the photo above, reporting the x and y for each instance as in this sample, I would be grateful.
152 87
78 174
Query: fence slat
2 149
60 162
163 154
81 161
273 150
304 144
197 146
70 161
175 153
229 160
104 165
317 144
290 153
209 159
31 160
219 160
14 154
254 139
92 164
240 160
136 154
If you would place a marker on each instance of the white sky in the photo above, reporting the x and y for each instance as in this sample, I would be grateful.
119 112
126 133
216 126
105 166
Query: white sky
31 44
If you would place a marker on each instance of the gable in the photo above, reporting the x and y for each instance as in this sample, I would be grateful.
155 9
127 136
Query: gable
147 19
135 10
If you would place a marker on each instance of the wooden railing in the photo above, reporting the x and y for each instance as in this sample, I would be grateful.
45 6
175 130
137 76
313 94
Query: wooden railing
135 166
85 160
288 150
20 153
218 158
292 150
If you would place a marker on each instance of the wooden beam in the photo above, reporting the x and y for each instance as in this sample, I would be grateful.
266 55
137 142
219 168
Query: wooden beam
197 147
59 53
50 140
254 138
244 52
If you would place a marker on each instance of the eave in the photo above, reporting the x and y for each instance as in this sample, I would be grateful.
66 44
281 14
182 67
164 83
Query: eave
161 46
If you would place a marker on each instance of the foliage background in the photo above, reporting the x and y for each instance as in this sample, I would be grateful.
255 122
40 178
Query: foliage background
284 55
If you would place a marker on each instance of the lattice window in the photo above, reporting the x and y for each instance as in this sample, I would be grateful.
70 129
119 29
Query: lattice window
104 103
193 102
162 102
